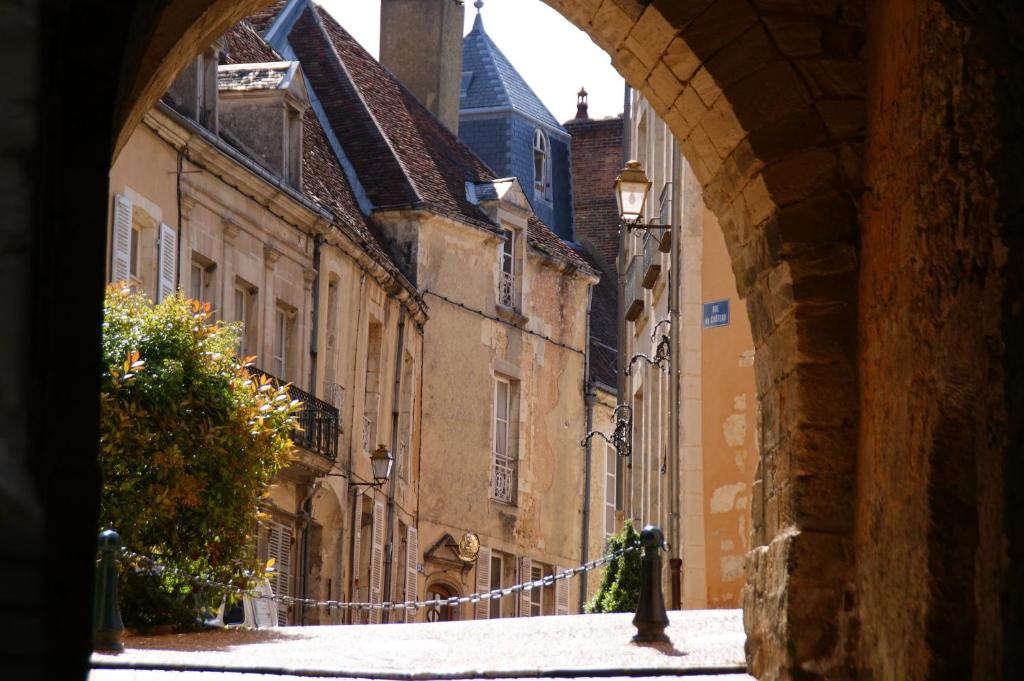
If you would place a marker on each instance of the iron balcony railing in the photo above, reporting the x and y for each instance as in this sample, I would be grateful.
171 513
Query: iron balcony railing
633 296
318 422
503 483
507 290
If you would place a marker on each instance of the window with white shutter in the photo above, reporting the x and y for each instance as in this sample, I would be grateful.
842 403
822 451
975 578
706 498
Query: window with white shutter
561 595
610 464
525 570
412 556
537 592
483 580
356 557
377 560
279 547
121 240
168 259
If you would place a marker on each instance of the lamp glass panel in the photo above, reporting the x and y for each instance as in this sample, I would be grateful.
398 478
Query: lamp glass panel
631 197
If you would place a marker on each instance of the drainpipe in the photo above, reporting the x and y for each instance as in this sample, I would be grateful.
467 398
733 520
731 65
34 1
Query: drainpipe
354 491
588 402
389 546
314 335
307 516
675 271
620 468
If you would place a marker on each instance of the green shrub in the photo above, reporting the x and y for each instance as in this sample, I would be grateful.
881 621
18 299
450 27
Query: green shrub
620 586
188 445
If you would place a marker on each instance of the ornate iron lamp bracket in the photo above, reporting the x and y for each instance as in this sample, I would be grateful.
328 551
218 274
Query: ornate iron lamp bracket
621 437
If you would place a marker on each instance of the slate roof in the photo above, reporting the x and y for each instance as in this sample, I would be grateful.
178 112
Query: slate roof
495 82
252 77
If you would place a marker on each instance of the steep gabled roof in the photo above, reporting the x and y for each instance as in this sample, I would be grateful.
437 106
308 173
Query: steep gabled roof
402 155
495 83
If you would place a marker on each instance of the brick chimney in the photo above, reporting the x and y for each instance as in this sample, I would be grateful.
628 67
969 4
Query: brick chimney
421 43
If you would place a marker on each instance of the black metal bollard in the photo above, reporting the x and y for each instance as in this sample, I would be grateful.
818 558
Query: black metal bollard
651 619
107 627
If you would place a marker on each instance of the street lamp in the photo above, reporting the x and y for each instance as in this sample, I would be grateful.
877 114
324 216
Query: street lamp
381 462
631 190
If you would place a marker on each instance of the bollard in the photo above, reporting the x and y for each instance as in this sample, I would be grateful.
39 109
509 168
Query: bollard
107 627
651 619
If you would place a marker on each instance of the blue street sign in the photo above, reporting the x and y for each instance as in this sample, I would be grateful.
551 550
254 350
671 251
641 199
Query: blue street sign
716 313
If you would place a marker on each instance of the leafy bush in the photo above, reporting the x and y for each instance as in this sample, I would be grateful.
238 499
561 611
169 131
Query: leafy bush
620 586
189 442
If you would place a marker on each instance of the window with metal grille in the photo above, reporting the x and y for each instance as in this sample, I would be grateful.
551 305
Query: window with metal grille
611 462
503 477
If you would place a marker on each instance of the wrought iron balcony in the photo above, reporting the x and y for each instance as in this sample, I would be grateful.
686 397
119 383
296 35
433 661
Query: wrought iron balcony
318 422
633 298
507 290
503 480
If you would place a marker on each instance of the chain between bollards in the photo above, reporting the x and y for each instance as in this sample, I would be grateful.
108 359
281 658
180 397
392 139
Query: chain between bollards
107 628
651 619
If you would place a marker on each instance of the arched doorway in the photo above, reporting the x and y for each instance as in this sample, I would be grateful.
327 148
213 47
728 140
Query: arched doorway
441 612
768 97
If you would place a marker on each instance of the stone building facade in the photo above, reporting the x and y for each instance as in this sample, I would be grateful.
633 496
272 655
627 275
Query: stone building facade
694 417
331 255
216 194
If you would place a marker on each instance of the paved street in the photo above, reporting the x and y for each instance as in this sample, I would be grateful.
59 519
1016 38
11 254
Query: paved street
703 643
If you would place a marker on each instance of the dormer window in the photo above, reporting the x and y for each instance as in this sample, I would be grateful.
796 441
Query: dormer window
510 268
541 165
261 112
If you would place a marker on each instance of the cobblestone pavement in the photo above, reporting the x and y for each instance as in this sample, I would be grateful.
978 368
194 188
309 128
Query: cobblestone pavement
703 643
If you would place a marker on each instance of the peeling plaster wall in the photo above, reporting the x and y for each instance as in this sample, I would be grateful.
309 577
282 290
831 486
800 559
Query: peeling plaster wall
729 425
464 350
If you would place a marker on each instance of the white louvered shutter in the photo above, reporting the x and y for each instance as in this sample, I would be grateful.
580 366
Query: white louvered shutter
279 543
561 594
357 533
525 575
483 581
168 262
412 555
121 240
377 560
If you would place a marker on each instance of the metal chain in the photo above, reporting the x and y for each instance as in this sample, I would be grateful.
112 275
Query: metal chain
547 580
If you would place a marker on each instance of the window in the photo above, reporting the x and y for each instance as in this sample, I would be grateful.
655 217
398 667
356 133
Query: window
133 258
201 280
507 283
245 313
496 583
611 462
541 164
503 479
283 328
373 387
536 594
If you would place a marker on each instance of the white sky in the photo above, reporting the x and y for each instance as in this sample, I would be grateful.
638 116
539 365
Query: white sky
554 56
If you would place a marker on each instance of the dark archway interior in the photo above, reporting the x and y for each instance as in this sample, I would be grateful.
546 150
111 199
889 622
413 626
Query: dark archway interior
866 517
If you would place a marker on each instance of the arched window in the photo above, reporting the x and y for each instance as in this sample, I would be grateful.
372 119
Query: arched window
541 164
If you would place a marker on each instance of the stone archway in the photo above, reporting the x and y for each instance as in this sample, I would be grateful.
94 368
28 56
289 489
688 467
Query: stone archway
767 100
767 97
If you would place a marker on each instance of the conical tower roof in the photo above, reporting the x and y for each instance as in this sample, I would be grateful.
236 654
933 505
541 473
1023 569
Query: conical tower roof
494 83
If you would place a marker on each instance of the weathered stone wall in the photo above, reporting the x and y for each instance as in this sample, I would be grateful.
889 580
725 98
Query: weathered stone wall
933 290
